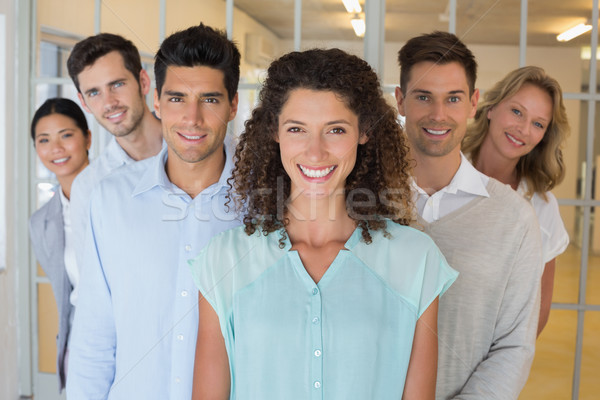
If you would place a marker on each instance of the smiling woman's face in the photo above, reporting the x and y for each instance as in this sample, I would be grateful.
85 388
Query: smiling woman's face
318 137
519 122
61 145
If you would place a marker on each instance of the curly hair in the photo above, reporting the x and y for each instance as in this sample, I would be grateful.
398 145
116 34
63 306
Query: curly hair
543 167
382 168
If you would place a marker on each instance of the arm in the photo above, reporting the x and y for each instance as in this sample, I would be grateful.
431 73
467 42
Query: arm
92 346
422 368
503 373
212 380
547 289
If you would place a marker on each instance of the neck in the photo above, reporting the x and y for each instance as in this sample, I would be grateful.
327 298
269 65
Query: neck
492 164
317 222
193 178
432 174
66 182
144 141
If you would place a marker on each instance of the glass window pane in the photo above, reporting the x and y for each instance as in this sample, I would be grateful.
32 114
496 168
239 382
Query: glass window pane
74 16
47 328
593 274
590 362
247 101
566 278
552 370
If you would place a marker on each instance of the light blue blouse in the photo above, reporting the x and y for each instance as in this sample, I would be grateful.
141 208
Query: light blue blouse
347 337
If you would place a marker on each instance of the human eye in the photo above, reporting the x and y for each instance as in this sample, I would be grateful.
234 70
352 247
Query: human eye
67 135
211 100
42 140
118 84
294 129
539 125
337 130
454 99
93 93
175 100
422 97
516 111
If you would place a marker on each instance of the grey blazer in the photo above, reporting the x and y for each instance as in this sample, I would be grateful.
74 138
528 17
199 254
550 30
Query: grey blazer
46 230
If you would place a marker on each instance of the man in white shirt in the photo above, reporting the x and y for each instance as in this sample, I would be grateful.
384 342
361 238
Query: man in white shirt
111 84
488 318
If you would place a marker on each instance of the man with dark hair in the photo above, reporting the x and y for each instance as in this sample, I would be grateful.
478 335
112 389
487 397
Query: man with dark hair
135 328
111 84
487 320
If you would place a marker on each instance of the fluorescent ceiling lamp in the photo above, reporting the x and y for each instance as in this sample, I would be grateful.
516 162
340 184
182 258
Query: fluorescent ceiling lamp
352 6
573 32
359 26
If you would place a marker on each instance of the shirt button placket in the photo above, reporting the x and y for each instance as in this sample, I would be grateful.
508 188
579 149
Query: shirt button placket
316 330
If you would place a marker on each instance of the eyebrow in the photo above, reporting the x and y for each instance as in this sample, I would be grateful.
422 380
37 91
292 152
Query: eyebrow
337 121
61 131
423 91
201 95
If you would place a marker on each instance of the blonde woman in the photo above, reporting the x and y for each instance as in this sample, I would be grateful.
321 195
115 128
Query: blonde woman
517 138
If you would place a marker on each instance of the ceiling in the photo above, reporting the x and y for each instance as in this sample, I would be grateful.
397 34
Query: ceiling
478 21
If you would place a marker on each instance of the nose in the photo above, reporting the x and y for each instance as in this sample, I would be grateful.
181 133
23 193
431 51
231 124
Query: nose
110 100
193 113
315 147
56 146
438 111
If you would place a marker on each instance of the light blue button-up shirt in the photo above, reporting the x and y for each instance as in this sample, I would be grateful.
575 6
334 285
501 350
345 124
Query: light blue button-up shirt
135 327
349 336
111 158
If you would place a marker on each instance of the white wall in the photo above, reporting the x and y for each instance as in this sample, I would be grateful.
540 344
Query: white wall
9 376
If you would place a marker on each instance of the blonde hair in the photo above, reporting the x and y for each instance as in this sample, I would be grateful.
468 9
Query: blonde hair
543 167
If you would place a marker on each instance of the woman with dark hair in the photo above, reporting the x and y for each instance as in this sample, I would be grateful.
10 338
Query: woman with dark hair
61 139
517 137
324 292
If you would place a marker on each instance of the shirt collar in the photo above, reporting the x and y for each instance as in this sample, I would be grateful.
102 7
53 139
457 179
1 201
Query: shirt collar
117 153
467 179
155 174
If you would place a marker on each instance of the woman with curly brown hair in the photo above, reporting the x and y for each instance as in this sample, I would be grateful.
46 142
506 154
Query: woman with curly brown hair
517 137
325 292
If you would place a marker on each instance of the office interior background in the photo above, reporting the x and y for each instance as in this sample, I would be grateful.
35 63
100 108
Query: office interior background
37 36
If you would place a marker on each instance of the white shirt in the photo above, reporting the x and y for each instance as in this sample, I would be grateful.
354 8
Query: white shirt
70 262
466 185
555 238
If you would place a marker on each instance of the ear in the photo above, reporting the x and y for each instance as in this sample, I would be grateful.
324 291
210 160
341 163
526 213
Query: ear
400 101
363 138
156 103
144 82
234 107
474 100
83 105
88 139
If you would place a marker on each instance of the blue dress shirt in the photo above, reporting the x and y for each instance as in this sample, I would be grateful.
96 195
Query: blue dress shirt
135 328
347 337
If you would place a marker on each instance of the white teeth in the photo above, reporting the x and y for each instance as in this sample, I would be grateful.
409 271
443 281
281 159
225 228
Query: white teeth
60 160
316 173
514 140
191 137
436 132
115 115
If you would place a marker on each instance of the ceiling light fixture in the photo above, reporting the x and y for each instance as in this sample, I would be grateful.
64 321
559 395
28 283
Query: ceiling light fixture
352 6
358 24
574 32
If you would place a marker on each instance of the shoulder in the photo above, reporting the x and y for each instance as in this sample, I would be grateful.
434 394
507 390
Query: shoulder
506 203
124 178
53 207
401 237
